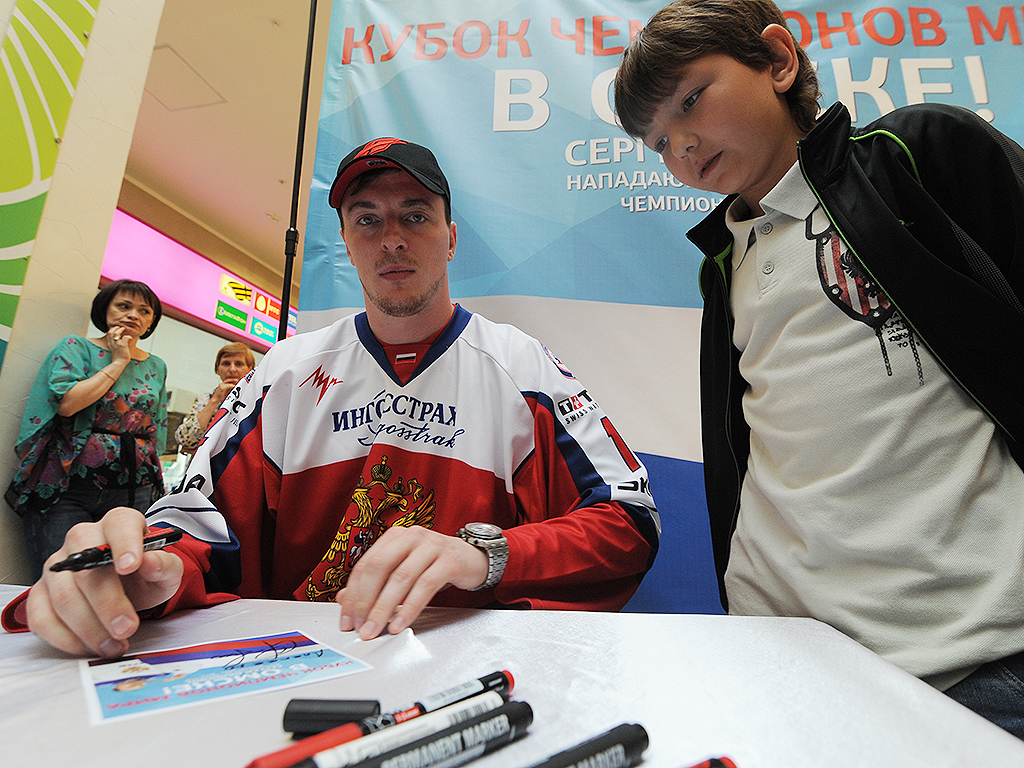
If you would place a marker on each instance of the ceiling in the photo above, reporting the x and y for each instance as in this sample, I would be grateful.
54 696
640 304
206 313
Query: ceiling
217 130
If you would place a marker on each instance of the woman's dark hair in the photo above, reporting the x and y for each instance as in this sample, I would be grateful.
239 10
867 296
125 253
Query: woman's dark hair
101 303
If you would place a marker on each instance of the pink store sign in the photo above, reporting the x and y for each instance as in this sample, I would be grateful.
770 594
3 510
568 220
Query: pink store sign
192 285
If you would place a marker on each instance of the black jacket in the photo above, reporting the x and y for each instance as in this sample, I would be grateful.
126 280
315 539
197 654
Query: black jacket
902 192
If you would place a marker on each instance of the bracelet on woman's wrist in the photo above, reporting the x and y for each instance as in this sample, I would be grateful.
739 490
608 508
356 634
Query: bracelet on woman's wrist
104 371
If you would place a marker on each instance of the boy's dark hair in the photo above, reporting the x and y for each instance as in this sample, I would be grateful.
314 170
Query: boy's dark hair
680 33
102 300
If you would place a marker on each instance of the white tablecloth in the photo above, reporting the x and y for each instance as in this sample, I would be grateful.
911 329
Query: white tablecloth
769 693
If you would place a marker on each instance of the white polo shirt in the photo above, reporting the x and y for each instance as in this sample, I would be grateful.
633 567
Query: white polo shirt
878 497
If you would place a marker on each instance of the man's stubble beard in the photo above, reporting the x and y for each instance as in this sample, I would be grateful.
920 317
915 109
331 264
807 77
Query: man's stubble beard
409 306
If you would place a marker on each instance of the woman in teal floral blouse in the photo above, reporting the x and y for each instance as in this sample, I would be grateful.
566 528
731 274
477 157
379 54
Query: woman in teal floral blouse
95 424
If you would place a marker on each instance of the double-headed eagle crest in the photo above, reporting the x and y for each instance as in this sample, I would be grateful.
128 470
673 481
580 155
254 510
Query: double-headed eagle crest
372 504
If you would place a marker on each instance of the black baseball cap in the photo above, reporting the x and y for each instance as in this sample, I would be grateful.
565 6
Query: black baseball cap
419 162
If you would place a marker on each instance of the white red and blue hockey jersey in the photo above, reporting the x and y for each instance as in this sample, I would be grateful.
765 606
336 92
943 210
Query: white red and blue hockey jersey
322 449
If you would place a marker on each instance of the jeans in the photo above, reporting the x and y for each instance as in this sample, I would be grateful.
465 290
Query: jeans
83 502
996 692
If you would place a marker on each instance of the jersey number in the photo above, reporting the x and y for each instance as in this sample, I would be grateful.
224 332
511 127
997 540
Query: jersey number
624 452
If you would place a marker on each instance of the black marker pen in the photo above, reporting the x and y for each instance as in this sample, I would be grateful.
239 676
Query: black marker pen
620 747
94 557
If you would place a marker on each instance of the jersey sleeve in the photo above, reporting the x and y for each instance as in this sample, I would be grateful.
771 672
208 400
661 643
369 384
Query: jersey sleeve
221 505
589 528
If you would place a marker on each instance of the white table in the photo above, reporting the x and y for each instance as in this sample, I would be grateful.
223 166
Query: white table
766 692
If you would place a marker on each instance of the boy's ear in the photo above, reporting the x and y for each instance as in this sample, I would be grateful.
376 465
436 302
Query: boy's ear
785 62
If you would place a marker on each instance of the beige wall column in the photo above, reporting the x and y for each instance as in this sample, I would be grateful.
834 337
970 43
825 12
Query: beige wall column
64 268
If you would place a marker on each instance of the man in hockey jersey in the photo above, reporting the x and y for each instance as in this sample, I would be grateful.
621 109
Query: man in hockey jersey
414 453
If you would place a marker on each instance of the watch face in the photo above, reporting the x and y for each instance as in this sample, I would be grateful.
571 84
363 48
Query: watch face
483 530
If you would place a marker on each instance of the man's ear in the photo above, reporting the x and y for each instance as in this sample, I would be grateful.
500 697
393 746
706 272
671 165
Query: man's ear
785 63
453 237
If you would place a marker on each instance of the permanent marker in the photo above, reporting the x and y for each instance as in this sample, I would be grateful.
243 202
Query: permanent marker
405 733
500 682
94 557
620 747
456 745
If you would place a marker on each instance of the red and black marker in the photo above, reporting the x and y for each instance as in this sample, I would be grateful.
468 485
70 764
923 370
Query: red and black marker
94 557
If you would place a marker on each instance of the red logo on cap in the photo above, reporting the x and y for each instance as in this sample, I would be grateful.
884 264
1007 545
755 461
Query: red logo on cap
378 145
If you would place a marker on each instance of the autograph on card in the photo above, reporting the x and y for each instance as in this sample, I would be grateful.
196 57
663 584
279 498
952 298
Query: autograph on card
159 680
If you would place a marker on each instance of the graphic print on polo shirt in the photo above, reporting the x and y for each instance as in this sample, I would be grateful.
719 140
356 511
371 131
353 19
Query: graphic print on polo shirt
848 285
365 521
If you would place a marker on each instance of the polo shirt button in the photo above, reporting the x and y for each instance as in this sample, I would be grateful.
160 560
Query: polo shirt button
768 268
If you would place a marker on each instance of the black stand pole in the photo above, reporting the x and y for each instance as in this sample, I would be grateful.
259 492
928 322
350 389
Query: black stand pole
291 238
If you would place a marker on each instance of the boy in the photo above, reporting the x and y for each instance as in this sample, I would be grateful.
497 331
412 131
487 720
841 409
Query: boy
862 425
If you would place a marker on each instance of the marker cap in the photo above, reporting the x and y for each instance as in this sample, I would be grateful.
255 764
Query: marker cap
307 716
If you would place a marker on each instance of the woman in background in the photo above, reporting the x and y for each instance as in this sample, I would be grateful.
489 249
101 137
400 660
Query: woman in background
95 424
233 362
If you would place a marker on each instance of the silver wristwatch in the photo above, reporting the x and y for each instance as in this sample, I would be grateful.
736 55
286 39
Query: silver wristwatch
488 538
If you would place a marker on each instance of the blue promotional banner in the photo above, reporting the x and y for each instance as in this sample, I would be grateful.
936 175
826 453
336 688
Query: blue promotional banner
573 231
514 100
